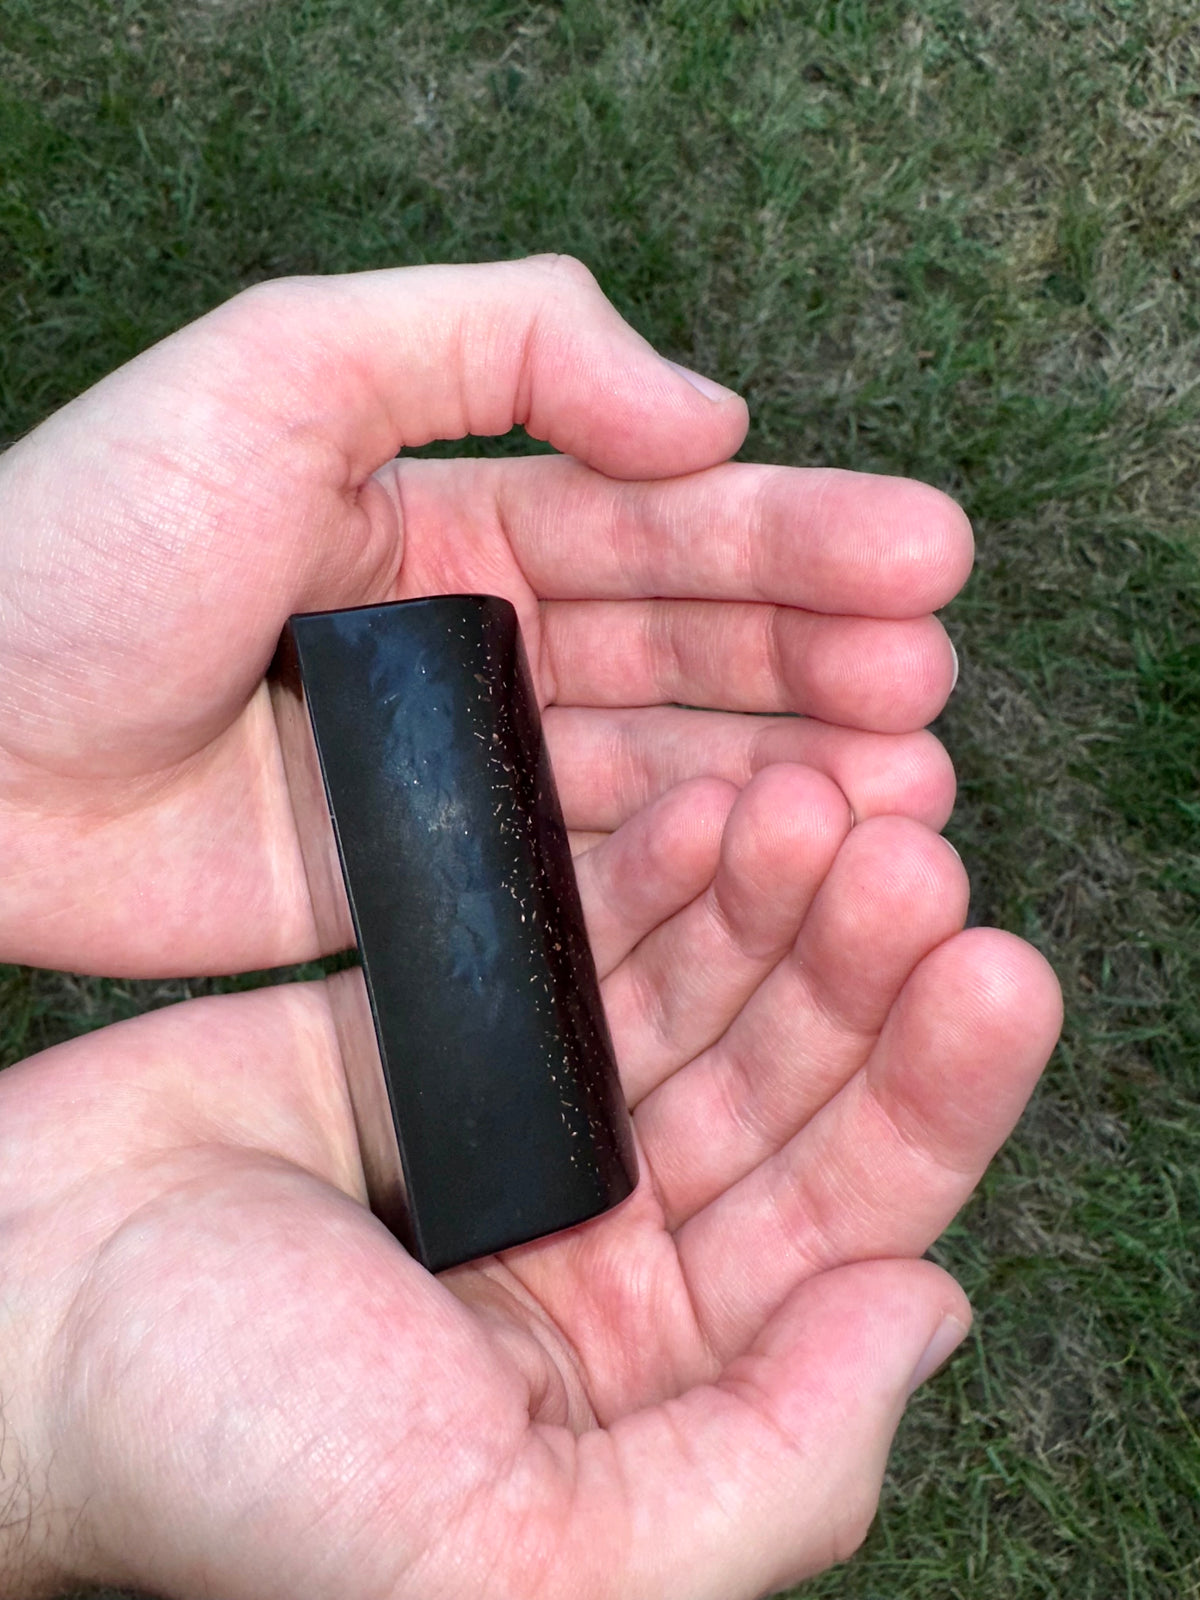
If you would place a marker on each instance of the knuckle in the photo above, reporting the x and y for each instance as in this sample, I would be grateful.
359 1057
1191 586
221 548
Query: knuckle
566 271
266 301
297 291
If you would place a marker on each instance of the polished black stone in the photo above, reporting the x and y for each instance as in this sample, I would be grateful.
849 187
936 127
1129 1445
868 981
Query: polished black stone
488 1106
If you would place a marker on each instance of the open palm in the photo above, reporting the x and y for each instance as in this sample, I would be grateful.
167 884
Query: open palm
229 1379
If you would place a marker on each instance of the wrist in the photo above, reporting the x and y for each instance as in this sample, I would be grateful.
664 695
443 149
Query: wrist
35 1526
42 1523
31 1527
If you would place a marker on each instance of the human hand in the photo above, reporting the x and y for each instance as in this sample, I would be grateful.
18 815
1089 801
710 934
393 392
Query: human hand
223 1377
160 529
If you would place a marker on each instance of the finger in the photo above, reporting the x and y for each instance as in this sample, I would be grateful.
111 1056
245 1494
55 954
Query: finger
772 1473
652 866
888 1162
378 361
610 763
686 982
826 540
893 894
858 671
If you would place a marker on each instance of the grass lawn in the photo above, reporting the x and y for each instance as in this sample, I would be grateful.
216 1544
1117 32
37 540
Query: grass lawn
958 239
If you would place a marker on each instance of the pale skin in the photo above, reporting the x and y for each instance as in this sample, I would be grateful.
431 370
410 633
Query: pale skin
218 1374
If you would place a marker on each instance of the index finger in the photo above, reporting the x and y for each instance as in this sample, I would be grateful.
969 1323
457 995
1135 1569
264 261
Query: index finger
815 537
827 540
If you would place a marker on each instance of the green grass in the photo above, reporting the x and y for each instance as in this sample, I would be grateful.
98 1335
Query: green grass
959 240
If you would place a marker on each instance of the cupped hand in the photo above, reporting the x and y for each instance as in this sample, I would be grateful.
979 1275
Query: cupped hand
223 1377
220 1374
159 530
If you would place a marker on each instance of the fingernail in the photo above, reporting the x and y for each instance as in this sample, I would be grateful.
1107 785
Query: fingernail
954 659
949 1335
705 386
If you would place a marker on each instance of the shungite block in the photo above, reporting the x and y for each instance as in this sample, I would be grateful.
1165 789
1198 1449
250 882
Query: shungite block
479 1061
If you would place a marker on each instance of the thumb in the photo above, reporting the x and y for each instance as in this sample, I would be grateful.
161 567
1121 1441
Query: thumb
773 1473
374 362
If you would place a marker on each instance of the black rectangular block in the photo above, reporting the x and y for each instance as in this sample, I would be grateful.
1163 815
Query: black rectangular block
487 1100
